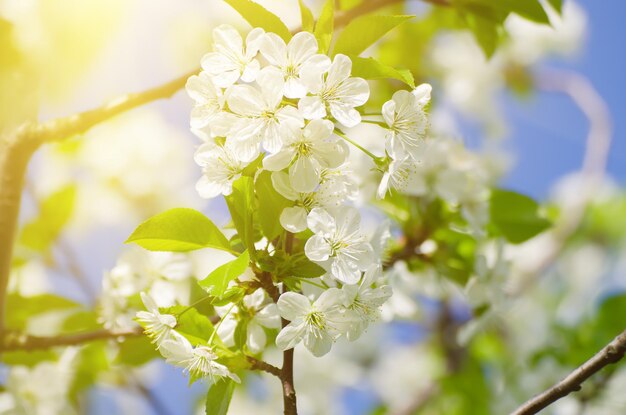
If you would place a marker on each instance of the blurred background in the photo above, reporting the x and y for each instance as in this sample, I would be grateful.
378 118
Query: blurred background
86 195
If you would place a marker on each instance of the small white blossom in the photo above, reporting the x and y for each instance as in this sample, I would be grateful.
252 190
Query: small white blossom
259 115
259 313
231 60
220 168
199 362
407 120
335 187
306 152
159 327
290 59
335 92
404 176
208 99
338 246
363 301
317 323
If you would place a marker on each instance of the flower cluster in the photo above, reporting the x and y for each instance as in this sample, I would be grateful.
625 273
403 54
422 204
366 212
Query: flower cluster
200 361
262 103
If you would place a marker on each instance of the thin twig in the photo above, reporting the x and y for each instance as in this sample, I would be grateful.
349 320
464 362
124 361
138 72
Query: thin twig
256 364
611 353
24 342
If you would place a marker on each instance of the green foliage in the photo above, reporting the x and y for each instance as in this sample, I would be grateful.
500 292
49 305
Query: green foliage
516 216
27 358
136 351
179 230
90 362
557 5
242 205
54 213
21 309
325 26
364 31
271 204
486 32
196 327
284 265
218 397
308 21
259 16
370 68
217 281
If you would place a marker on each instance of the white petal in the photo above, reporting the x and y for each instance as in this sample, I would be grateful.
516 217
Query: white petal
301 47
245 100
289 336
268 316
256 337
273 49
345 114
293 305
345 271
339 70
293 219
272 84
281 183
317 249
320 220
330 299
304 175
251 71
226 38
294 88
318 345
312 107
422 93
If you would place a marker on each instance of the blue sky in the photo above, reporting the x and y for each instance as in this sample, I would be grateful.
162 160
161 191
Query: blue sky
549 131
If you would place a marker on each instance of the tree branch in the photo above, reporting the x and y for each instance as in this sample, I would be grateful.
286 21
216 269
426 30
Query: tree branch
611 353
24 342
257 364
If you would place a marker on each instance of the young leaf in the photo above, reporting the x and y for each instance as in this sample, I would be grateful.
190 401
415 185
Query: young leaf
23 308
557 5
54 212
529 9
179 230
271 205
364 31
196 327
308 21
217 281
370 68
325 26
241 205
485 31
516 216
259 16
218 397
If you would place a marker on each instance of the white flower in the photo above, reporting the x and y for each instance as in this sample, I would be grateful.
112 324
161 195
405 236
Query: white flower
334 188
259 314
199 361
363 301
159 327
220 168
230 59
290 59
338 246
406 118
306 152
259 115
404 176
336 92
207 97
317 323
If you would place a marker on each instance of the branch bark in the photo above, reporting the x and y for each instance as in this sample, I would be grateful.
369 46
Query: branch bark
17 341
611 353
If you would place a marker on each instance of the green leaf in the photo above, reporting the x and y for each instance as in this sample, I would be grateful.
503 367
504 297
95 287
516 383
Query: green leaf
557 5
364 31
217 281
241 205
259 16
325 26
218 397
196 327
21 309
54 213
516 216
529 9
136 351
308 21
271 205
486 32
370 68
179 230
27 358
302 267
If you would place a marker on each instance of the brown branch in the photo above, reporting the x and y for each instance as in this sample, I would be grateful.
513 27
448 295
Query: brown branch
611 353
24 342
256 364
